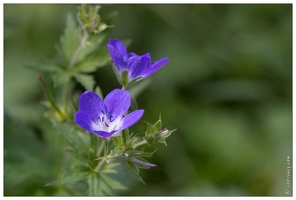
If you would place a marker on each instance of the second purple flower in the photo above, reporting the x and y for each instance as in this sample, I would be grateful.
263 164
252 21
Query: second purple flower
132 67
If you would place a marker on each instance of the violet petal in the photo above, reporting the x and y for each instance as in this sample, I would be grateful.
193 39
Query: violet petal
90 103
131 119
104 134
155 66
118 53
84 120
117 102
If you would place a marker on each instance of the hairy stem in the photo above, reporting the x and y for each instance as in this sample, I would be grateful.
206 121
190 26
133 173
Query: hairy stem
100 165
101 147
102 162
48 95
78 50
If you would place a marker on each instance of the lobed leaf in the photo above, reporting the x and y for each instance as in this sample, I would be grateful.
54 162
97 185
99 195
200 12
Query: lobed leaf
101 184
70 178
96 59
71 38
87 81
133 170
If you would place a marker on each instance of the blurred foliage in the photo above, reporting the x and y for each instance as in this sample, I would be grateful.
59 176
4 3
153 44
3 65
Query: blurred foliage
227 89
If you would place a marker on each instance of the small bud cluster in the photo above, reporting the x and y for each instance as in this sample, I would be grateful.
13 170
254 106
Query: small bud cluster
155 134
89 17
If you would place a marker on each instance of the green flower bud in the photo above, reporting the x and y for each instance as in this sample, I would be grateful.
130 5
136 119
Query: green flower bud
155 133
91 20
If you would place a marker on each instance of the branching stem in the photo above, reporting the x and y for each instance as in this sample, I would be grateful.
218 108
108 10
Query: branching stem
139 144
78 50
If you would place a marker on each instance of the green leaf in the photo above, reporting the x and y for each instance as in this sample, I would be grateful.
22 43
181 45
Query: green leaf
99 92
45 67
71 38
108 168
110 18
60 77
26 159
70 179
133 170
101 184
79 144
94 185
91 46
97 59
87 81
112 183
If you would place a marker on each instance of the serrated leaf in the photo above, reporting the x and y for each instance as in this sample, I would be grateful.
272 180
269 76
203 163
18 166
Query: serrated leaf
71 38
79 145
97 59
70 179
86 81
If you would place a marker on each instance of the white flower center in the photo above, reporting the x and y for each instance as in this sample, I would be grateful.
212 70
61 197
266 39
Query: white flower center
106 122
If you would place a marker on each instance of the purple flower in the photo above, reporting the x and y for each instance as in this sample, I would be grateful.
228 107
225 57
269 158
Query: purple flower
132 67
106 118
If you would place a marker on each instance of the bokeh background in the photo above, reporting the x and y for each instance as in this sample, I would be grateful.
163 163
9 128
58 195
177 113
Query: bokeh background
227 89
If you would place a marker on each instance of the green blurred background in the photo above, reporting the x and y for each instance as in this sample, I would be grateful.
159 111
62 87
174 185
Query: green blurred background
227 89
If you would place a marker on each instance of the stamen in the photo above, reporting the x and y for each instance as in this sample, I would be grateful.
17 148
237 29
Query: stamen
110 117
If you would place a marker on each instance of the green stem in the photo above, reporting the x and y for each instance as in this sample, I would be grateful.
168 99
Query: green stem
78 50
102 162
125 137
106 148
101 147
48 95
139 144
100 165
73 102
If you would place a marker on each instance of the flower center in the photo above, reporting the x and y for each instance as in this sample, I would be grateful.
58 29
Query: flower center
106 118
106 122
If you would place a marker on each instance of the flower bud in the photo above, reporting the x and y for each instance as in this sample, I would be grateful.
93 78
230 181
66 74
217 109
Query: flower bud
155 133
143 164
89 17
